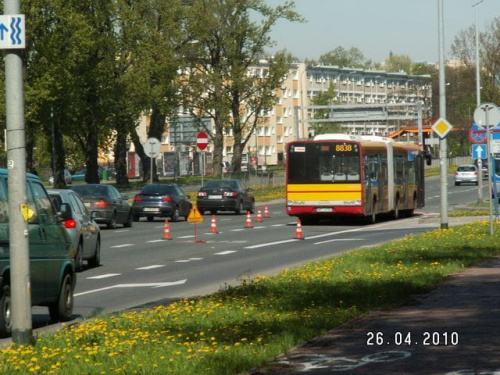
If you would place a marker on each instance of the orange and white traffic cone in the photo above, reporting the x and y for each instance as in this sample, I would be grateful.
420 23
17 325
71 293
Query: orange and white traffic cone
298 231
266 212
249 221
166 231
213 225
259 214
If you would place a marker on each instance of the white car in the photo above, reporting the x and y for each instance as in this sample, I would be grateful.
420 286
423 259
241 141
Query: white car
466 173
68 179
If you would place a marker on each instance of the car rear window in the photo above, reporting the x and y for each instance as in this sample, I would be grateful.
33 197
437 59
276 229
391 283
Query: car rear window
218 184
466 169
158 190
91 191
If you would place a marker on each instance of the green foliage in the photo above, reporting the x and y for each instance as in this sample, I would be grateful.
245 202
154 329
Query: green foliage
345 58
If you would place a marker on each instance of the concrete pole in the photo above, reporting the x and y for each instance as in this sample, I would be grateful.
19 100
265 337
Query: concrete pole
478 103
22 332
442 113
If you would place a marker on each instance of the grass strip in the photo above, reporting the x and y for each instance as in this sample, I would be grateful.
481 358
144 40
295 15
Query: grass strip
240 327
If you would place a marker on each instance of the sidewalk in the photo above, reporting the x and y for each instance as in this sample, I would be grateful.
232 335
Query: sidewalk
452 330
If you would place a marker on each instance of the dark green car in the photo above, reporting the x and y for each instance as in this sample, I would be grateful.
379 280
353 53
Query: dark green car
52 269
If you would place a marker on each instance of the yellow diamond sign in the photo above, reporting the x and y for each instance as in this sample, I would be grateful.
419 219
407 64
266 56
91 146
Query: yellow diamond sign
441 127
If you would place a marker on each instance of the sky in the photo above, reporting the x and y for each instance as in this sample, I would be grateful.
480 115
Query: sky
379 27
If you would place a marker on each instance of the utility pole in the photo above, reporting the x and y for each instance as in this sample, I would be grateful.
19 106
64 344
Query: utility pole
22 332
442 113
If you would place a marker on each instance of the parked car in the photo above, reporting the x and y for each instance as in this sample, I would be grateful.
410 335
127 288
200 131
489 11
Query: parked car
84 232
110 205
52 271
225 195
68 179
161 200
466 173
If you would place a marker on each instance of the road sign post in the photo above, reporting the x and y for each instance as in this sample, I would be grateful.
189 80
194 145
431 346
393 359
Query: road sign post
488 115
202 143
152 149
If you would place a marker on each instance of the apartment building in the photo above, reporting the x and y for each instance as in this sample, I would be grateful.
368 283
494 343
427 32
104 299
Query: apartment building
291 118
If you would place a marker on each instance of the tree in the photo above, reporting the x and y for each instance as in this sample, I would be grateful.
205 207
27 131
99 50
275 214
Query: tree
324 98
345 58
221 83
398 63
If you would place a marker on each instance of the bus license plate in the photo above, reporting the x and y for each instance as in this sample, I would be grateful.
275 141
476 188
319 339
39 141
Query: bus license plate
324 209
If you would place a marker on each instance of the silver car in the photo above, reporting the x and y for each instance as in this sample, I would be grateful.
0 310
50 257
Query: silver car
84 232
466 173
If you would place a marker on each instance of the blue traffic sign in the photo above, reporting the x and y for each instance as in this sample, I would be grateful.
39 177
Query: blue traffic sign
479 152
12 30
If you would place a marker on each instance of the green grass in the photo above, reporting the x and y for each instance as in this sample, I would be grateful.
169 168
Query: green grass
241 327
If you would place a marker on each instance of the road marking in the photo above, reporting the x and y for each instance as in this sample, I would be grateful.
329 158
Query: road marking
150 285
151 267
122 230
270 244
226 252
187 260
339 239
185 237
153 241
105 276
278 225
237 230
124 245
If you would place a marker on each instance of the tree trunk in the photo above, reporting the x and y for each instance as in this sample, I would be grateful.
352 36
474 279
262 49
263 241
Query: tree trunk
91 173
120 152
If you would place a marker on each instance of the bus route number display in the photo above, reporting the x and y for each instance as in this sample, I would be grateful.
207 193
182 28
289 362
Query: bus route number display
345 147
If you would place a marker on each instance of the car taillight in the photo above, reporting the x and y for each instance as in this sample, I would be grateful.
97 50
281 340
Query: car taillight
456 173
101 204
201 194
230 194
166 198
70 223
137 198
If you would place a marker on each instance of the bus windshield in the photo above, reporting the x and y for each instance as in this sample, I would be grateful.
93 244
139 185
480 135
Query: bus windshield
323 162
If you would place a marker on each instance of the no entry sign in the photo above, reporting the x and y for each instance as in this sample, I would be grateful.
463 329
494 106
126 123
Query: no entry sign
202 140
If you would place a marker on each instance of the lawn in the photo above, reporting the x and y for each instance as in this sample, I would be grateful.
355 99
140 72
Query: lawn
240 327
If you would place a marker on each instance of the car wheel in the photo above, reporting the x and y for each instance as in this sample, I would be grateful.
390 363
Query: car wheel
5 311
175 215
62 309
112 222
240 208
136 218
128 223
95 261
79 257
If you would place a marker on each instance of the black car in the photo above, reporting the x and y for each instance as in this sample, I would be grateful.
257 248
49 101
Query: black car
225 195
161 200
110 206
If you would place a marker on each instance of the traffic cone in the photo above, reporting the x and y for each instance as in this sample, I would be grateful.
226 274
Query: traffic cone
266 212
166 231
249 221
298 231
259 214
213 225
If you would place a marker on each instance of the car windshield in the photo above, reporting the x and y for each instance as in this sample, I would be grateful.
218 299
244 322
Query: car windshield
91 191
158 190
220 184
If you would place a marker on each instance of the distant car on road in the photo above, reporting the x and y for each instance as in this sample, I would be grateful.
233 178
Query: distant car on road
79 175
161 200
466 173
225 195
84 232
110 205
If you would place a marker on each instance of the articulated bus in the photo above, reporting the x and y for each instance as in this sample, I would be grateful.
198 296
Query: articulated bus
337 175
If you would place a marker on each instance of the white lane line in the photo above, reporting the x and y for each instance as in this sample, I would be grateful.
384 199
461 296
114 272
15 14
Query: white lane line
187 260
153 241
226 252
124 245
151 267
339 239
278 225
186 237
150 285
322 235
237 230
122 230
105 276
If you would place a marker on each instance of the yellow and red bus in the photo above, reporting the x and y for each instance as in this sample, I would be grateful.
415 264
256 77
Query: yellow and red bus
342 175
